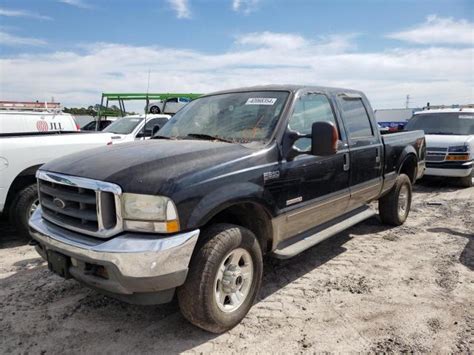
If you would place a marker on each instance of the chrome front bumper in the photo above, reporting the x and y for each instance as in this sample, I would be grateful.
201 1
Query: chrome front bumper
134 263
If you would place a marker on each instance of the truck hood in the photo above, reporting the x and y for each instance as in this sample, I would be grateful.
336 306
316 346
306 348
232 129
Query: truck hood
148 167
445 140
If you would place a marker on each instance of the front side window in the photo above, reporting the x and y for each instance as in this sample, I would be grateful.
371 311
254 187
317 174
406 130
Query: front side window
356 119
147 131
240 117
310 108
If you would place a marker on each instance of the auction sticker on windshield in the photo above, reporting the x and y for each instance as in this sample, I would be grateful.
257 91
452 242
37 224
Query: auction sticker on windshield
261 101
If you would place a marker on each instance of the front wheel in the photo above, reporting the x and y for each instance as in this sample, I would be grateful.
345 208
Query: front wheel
467 180
22 208
155 110
224 278
394 207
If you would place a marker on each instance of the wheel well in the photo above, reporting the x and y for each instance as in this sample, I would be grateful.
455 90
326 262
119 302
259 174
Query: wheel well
251 216
25 178
409 167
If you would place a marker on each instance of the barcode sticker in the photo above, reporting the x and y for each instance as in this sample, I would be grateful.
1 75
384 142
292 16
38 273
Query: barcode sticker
261 101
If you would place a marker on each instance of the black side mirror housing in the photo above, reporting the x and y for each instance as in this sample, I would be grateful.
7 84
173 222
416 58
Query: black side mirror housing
324 138
156 128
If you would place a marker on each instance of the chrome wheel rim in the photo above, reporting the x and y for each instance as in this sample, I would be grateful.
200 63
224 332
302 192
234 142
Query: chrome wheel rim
403 201
233 280
33 207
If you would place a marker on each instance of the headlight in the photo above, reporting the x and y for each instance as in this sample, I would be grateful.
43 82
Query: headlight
146 213
458 149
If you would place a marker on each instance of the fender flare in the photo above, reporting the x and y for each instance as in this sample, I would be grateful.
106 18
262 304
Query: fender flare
225 197
408 153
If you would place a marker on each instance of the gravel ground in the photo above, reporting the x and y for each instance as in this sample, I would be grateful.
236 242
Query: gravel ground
371 288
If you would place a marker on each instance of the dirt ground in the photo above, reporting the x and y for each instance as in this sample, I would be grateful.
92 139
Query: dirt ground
372 288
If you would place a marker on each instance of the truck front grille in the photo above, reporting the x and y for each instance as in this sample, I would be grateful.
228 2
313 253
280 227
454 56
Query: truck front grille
435 154
83 205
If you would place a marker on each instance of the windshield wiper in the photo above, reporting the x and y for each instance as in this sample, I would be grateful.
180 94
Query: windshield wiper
208 137
161 137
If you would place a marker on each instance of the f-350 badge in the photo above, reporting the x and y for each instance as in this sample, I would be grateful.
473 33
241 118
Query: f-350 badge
271 175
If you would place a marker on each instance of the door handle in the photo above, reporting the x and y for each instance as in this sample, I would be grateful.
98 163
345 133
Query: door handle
347 162
377 155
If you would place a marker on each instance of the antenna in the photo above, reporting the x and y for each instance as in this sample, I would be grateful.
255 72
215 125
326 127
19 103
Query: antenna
147 103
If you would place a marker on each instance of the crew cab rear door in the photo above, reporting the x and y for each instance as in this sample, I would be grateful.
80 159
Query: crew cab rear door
365 149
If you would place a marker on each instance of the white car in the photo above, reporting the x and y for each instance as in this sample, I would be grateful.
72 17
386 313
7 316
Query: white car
131 128
171 105
449 142
12 121
20 157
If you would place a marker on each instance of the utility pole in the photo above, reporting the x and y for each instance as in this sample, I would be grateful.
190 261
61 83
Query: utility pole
407 102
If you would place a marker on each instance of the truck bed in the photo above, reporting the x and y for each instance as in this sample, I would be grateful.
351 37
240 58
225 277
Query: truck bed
398 144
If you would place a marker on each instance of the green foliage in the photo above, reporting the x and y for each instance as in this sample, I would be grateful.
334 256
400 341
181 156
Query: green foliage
112 111
81 111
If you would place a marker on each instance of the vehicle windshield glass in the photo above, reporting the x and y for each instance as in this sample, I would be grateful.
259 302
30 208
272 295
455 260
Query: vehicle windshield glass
124 125
461 123
241 117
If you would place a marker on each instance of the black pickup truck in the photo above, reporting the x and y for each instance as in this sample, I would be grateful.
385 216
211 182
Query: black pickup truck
233 176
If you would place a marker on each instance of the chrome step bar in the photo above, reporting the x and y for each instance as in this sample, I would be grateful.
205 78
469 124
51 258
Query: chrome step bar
307 242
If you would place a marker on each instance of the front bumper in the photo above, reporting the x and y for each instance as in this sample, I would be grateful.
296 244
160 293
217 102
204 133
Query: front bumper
449 169
137 268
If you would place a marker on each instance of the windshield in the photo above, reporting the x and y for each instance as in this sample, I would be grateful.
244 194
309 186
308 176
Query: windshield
241 117
461 123
124 125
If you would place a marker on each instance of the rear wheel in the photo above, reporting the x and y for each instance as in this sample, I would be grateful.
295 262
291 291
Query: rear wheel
223 280
467 180
22 207
394 207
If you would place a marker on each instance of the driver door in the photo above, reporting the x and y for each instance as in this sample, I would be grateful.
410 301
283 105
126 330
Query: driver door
320 184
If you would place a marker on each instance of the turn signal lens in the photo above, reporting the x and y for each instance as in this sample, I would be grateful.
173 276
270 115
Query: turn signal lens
172 226
458 157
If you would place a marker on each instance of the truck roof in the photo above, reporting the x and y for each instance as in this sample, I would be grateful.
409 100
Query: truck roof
289 87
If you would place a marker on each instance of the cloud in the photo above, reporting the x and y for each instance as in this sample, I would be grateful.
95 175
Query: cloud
22 13
7 39
435 74
245 6
272 40
77 3
438 30
181 7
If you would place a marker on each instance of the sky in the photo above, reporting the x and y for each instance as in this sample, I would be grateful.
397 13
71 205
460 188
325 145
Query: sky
73 50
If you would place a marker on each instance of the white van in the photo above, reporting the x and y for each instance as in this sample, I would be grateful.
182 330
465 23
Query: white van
20 121
449 137
131 128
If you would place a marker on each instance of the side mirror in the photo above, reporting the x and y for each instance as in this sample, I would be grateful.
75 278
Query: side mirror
324 138
156 128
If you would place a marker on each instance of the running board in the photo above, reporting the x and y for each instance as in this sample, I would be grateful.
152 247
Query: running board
307 242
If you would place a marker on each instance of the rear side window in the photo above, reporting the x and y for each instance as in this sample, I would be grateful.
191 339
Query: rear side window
356 118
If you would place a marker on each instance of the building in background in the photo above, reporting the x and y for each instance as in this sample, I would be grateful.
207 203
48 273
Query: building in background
394 119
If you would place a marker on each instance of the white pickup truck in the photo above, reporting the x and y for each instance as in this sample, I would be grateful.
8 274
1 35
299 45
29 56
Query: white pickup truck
21 154
136 127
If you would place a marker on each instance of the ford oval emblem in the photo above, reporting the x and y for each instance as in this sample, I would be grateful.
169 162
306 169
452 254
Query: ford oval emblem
59 203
